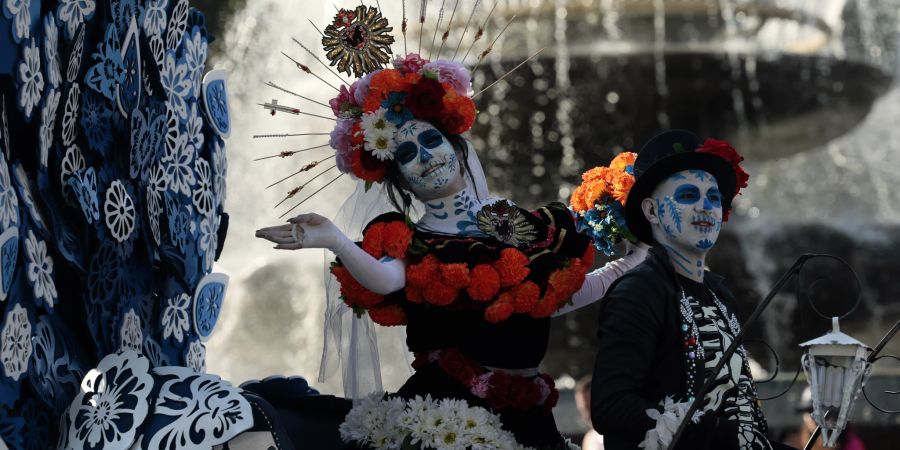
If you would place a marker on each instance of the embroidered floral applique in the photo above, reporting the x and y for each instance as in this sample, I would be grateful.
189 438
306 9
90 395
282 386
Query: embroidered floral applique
506 223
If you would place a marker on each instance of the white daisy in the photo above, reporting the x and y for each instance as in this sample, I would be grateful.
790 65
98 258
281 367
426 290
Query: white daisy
381 144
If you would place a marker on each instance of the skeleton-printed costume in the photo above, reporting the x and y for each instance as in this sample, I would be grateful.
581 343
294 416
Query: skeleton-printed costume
661 334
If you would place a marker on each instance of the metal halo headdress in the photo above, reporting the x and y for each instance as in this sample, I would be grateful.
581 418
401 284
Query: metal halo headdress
387 93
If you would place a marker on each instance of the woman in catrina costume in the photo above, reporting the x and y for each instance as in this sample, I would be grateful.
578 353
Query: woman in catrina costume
474 278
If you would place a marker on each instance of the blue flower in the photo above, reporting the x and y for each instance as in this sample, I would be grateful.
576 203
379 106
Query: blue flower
109 71
397 112
95 121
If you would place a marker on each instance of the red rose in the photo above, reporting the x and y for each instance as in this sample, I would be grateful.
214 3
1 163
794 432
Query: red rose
725 151
459 367
425 99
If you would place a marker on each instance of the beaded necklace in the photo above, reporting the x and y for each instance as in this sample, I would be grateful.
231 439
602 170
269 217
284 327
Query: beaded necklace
694 351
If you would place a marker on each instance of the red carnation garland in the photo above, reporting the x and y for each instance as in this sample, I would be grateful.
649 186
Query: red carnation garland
499 389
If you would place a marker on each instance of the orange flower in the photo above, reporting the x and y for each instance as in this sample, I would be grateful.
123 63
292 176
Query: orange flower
423 274
458 115
355 295
568 281
512 267
547 305
366 166
577 200
373 240
593 189
526 296
439 294
621 186
600 173
397 237
456 275
498 311
622 160
388 315
485 283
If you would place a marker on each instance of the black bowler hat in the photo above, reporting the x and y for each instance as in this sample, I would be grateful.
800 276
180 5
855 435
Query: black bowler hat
663 155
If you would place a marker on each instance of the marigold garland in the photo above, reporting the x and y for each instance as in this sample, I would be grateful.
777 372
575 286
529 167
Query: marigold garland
397 238
456 275
485 283
373 240
388 315
355 295
512 267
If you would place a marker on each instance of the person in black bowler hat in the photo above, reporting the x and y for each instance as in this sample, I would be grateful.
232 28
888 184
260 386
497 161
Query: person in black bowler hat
665 324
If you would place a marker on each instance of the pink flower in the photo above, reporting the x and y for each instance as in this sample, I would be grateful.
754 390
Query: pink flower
341 142
482 384
413 63
343 101
360 88
454 73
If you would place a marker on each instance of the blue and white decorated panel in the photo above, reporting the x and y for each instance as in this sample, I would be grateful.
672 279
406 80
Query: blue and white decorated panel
112 182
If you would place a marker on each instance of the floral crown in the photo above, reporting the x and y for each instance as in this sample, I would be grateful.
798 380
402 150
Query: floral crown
374 107
369 110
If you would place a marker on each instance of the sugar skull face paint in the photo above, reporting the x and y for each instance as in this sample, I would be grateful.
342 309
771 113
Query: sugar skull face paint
688 212
427 161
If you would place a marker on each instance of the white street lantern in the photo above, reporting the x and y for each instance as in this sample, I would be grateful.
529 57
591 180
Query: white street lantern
837 368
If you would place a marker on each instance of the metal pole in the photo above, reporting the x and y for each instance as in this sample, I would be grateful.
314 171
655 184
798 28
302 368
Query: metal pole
726 356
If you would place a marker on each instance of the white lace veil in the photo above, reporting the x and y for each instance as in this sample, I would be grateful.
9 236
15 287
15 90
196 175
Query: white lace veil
351 342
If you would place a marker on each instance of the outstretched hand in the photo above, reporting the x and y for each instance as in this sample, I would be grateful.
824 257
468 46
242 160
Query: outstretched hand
304 231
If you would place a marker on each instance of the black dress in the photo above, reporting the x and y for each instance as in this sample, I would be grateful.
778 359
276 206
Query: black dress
549 239
646 354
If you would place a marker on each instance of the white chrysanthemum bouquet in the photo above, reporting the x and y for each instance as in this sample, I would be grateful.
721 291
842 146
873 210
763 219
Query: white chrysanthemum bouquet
383 422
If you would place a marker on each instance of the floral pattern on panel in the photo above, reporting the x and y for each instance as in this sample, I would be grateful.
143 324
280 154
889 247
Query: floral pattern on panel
195 410
75 55
175 320
111 404
31 79
109 71
48 123
70 115
15 343
131 337
9 202
195 358
120 212
20 13
51 50
39 268
74 12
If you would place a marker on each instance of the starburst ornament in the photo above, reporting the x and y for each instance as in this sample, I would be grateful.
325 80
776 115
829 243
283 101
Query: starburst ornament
358 41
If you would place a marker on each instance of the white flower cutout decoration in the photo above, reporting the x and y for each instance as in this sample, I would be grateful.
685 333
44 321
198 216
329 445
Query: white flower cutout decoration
16 346
120 212
196 357
130 335
111 404
195 411
9 201
175 319
48 123
31 79
39 268
20 10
